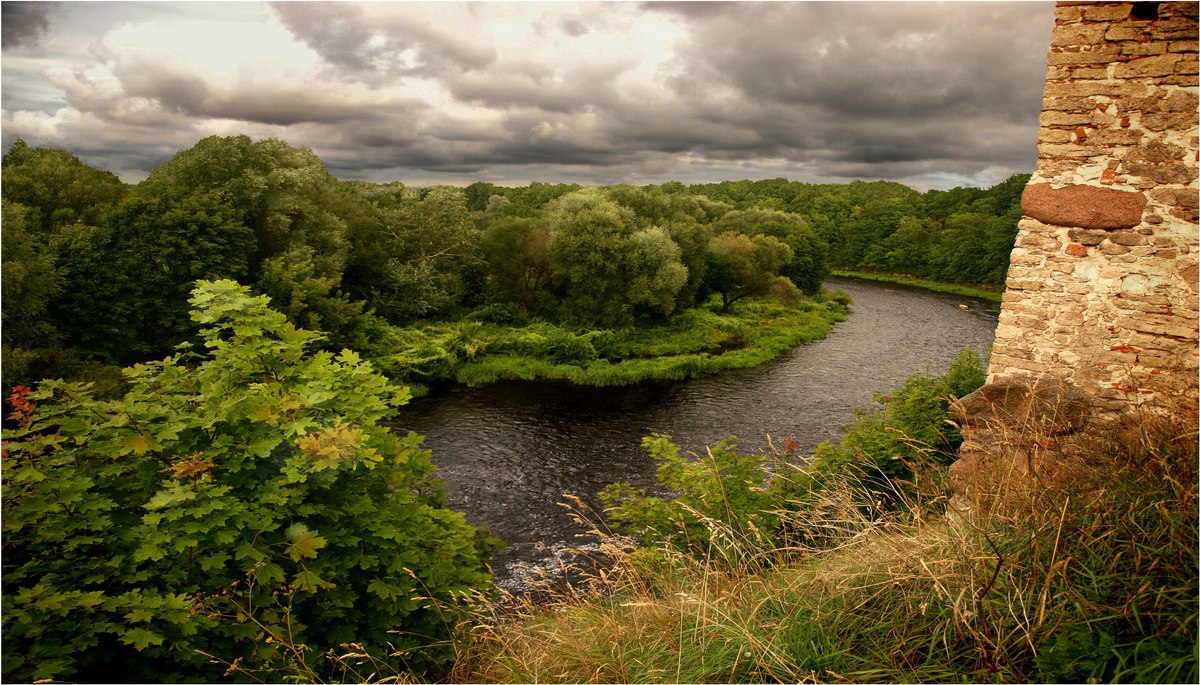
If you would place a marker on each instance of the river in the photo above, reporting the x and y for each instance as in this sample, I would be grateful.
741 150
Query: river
510 451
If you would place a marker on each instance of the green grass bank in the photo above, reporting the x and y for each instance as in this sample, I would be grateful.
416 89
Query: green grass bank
696 342
964 289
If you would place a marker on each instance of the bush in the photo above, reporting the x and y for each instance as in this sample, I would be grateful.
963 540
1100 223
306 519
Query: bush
243 503
720 501
908 432
725 503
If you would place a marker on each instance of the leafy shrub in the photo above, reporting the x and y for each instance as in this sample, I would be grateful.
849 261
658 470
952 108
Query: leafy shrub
508 313
725 501
908 431
242 503
720 499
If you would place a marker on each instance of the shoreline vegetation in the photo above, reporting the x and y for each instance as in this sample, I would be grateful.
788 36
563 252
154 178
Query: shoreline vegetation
210 475
694 343
850 570
981 292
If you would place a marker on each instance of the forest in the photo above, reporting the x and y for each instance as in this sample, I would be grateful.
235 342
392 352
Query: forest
200 369
597 285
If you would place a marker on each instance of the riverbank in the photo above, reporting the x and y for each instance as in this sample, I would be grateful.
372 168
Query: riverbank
966 290
509 450
697 342
1088 580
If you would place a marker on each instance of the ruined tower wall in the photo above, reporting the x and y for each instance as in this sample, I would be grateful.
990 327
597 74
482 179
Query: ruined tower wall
1102 288
1098 326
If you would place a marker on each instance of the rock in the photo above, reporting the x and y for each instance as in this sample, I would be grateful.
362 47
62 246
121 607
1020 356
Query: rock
1046 406
1083 206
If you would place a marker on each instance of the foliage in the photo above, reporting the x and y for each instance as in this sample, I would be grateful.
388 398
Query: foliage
806 268
243 503
723 500
518 260
1085 574
589 252
720 502
58 188
656 274
689 344
740 266
313 300
279 192
127 283
31 278
97 272
960 235
907 433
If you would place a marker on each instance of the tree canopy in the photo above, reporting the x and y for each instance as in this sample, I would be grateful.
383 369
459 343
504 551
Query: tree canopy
96 272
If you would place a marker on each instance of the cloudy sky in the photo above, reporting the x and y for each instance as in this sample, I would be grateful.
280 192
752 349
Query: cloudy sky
928 94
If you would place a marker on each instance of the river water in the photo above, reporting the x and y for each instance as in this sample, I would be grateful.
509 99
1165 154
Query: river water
510 451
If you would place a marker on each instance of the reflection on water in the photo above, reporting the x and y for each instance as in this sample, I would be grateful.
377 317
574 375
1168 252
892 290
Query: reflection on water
510 451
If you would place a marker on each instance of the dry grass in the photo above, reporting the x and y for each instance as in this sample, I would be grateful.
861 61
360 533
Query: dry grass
1089 578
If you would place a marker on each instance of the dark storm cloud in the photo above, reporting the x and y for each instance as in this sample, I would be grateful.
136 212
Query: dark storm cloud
23 23
568 89
855 89
880 84
897 59
596 93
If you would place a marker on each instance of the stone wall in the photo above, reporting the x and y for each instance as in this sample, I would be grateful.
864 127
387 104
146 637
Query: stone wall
1101 299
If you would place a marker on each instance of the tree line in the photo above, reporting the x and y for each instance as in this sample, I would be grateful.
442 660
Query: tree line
97 272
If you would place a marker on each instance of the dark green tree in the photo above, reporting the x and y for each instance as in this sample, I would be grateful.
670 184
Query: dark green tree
278 191
422 257
517 252
125 293
808 266
59 187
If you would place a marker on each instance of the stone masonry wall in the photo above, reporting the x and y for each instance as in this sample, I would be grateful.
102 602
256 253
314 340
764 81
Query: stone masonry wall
1101 300
1102 288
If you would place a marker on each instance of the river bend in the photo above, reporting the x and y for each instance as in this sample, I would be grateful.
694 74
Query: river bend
510 451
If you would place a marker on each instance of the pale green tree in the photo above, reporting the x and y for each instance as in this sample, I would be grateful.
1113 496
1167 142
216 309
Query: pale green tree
741 266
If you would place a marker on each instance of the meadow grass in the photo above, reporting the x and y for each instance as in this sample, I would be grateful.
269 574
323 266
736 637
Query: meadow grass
1086 579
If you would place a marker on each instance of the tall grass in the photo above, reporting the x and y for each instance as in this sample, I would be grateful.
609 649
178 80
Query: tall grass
1091 578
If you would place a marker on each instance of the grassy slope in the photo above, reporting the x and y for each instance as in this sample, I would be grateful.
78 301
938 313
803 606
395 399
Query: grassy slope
1091 579
966 290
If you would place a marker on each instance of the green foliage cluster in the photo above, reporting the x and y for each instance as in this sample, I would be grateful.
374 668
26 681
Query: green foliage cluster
722 499
98 272
692 343
241 504
750 496
962 235
907 433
